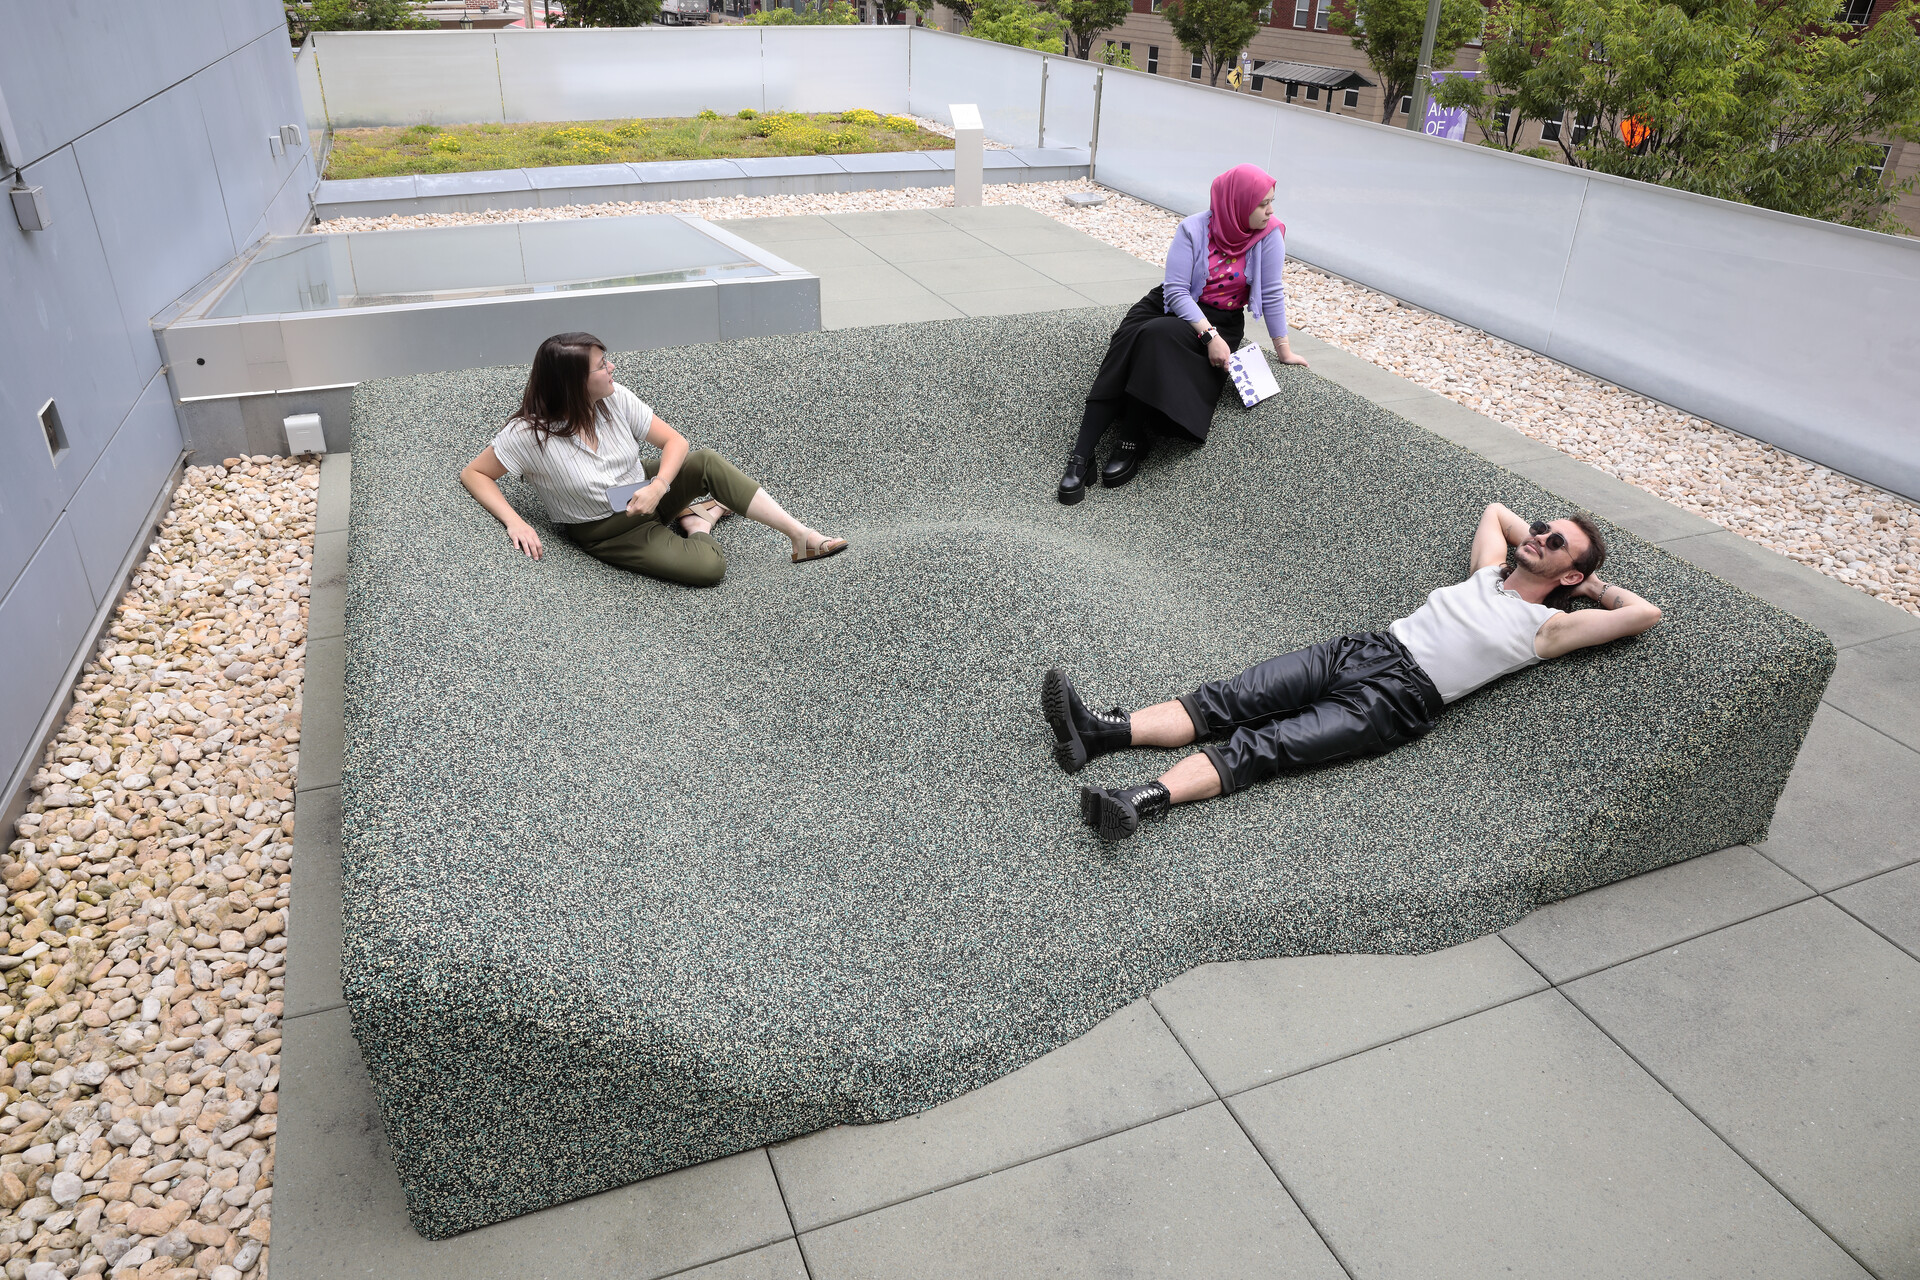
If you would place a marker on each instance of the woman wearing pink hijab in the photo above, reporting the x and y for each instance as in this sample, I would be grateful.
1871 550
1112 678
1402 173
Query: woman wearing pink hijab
1166 365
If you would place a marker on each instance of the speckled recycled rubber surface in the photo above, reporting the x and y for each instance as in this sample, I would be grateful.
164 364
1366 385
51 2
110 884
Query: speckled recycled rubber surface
639 875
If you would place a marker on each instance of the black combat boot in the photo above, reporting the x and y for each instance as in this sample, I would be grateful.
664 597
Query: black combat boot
1073 485
1115 812
1080 734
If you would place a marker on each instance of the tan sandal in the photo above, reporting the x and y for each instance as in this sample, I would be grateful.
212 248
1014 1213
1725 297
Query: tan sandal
827 547
712 511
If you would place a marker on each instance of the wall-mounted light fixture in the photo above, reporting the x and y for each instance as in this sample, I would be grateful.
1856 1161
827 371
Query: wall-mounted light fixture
289 136
30 206
56 433
275 146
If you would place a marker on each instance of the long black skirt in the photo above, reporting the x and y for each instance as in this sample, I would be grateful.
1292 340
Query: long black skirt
1155 358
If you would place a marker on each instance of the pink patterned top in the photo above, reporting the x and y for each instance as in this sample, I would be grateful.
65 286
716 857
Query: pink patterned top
1227 286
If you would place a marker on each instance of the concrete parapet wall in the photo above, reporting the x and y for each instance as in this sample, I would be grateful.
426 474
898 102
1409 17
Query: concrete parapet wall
677 180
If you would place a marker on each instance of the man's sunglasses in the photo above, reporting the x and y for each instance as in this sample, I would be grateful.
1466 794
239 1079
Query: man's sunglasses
1556 541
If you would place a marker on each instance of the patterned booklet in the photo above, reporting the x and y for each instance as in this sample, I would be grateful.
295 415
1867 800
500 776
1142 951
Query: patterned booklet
1248 368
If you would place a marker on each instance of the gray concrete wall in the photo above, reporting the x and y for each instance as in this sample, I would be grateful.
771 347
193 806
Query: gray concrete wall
146 125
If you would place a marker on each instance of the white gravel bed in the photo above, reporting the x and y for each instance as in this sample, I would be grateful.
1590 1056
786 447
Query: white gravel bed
146 907
1861 535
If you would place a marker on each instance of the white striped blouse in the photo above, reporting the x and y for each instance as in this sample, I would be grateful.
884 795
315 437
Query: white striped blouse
571 479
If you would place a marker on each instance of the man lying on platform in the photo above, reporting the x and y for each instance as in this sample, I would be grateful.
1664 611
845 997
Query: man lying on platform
1360 694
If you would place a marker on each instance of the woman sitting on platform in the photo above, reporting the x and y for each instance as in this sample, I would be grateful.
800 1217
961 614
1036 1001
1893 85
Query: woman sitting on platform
578 435
1166 365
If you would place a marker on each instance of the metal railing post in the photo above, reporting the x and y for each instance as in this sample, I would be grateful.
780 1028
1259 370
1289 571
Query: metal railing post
1046 66
1093 144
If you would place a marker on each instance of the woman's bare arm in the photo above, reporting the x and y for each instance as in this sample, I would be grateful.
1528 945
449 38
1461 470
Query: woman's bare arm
673 455
481 478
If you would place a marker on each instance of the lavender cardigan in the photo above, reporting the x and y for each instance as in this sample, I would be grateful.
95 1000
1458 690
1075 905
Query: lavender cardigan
1187 275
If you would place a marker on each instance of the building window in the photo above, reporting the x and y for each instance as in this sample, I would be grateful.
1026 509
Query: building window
1266 14
1313 93
1406 104
1550 131
1352 98
1302 12
1293 91
1196 66
1869 175
1320 18
1153 59
1259 83
1582 126
1504 119
1856 13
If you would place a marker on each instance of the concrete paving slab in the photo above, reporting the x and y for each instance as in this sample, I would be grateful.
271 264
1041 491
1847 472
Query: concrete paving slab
1251 1022
327 603
1469 429
1521 1141
1889 904
1628 506
778 1261
313 931
788 166
878 280
921 246
1050 238
1851 807
1849 616
1877 682
1629 918
1185 1196
1086 266
1795 1036
771 231
975 275
1117 293
887 222
826 257
336 492
339 1211
321 728
1126 1071
863 312
996 216
1008 302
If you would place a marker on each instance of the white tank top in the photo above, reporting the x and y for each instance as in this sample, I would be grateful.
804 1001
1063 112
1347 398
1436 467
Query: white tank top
1471 633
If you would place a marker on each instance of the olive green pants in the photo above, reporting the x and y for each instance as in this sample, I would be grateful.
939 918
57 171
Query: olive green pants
646 545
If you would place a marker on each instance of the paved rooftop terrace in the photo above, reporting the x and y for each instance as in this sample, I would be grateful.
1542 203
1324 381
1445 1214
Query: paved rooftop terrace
1709 1070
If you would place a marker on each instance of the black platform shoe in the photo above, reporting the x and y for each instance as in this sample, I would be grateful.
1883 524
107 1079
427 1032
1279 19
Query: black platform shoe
1080 734
1115 812
1073 485
1124 461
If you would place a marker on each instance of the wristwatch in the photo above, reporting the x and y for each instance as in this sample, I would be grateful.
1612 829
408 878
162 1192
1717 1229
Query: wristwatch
1209 335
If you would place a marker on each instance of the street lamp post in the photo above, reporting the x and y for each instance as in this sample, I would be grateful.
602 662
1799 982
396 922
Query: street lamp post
1423 78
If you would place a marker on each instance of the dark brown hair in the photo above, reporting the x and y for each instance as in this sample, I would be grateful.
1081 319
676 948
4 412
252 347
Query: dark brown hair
556 402
1587 562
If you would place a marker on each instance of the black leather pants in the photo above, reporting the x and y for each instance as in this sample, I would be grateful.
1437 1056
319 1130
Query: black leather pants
1361 694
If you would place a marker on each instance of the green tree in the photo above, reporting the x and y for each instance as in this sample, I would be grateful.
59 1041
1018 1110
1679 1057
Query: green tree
1087 19
1388 32
1114 56
609 13
1016 22
1215 31
837 14
1768 102
962 7
351 15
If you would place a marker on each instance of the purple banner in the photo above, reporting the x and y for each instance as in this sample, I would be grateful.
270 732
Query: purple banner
1446 122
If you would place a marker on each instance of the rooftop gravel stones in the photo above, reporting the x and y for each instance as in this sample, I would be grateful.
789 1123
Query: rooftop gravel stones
638 876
